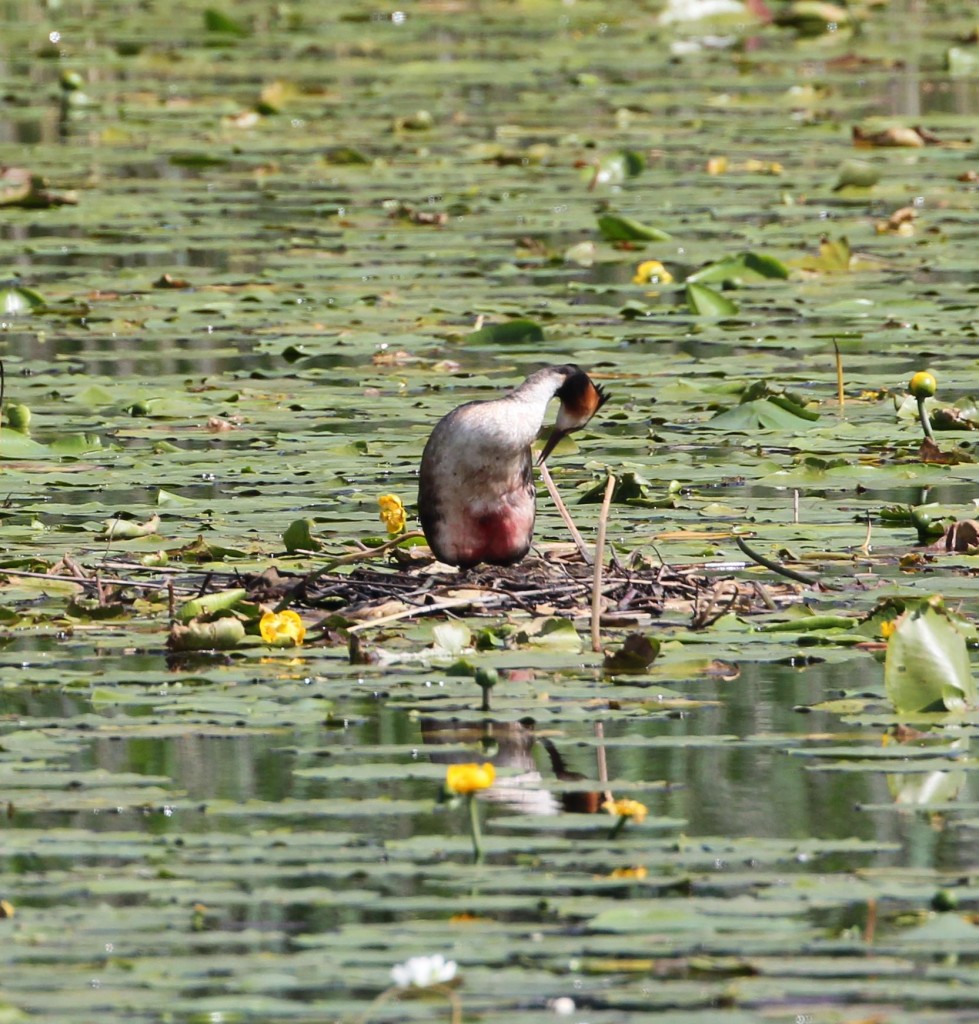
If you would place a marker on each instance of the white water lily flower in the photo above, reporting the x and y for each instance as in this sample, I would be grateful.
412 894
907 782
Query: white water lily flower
423 971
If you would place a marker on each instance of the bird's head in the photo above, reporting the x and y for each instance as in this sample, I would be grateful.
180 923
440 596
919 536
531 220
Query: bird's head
580 399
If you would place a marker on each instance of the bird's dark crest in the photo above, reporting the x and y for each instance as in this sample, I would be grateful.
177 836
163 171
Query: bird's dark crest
580 393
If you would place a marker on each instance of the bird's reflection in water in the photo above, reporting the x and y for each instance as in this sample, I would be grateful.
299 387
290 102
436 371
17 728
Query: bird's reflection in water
518 747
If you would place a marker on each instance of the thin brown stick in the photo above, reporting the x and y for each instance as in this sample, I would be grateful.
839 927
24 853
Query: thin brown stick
72 566
865 546
366 553
596 590
157 570
422 609
349 559
552 490
91 582
713 610
762 591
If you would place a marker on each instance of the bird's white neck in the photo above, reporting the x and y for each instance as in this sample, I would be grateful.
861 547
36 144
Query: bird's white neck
533 396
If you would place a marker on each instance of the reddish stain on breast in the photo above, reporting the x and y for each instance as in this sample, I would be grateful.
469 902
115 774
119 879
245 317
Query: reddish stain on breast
501 537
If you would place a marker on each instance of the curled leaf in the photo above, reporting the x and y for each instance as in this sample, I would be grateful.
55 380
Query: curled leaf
615 228
298 537
128 529
634 656
856 174
219 635
927 664
210 604
704 301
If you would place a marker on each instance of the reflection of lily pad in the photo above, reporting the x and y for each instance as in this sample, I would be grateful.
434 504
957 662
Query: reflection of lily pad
15 300
21 187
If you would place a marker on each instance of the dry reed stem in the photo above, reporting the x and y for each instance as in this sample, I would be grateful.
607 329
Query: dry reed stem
840 394
552 490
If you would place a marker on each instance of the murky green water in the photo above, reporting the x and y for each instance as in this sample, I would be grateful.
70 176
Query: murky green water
254 836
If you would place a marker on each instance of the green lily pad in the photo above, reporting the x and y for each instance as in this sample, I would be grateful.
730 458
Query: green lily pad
704 301
927 662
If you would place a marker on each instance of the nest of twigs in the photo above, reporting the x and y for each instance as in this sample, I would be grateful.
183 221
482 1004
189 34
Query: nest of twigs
358 591
556 582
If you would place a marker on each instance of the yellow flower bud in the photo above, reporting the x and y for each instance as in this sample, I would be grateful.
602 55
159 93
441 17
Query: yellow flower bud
923 384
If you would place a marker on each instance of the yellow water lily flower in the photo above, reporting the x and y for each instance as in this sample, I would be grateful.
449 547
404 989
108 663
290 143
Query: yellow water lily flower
631 874
468 778
652 272
392 513
282 629
626 809
764 166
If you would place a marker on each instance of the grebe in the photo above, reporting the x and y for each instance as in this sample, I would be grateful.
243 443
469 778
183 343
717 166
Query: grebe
476 497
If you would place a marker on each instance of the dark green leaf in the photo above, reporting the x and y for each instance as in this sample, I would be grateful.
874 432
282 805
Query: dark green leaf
705 301
615 228
510 332
218 21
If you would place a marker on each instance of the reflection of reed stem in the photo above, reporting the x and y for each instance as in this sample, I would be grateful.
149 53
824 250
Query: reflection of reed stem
840 393
601 759
474 830
870 929
378 1001
455 1003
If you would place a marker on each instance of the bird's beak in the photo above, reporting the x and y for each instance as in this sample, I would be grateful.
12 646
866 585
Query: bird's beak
551 443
